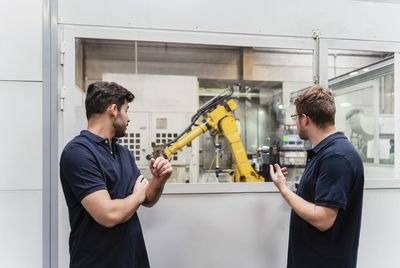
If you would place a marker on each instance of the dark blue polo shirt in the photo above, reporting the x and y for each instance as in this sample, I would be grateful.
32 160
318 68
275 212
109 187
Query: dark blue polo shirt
333 177
87 165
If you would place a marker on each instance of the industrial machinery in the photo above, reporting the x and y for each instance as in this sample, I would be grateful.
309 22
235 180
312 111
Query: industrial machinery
292 148
218 119
262 161
287 150
373 147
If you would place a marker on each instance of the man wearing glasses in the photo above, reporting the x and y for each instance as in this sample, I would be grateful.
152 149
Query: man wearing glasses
326 209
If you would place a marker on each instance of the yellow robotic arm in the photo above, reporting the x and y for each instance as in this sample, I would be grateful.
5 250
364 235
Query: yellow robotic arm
223 122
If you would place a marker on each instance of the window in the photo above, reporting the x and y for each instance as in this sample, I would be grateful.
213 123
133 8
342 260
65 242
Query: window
363 86
172 80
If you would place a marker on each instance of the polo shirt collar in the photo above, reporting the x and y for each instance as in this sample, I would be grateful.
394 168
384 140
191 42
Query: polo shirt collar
327 141
95 138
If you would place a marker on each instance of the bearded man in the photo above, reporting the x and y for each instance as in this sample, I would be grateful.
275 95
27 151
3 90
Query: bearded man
103 186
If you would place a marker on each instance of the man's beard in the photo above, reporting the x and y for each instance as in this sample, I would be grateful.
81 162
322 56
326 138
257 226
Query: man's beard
119 126
301 134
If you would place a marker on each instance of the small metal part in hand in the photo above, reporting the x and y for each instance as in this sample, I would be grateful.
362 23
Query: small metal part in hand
158 151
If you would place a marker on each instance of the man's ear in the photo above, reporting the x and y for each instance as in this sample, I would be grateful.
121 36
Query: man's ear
113 110
305 119
308 120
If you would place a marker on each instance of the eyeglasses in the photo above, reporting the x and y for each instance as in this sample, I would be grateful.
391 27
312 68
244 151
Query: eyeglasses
294 116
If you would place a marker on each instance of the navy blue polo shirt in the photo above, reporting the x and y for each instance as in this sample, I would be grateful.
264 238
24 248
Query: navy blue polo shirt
87 165
333 177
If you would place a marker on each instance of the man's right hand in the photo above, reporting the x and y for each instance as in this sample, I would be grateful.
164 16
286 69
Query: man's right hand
140 187
279 178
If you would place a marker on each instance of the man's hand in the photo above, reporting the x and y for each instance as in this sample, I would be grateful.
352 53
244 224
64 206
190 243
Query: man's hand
279 177
140 188
160 168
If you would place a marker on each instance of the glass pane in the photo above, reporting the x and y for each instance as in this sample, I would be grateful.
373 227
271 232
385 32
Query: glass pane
365 110
172 81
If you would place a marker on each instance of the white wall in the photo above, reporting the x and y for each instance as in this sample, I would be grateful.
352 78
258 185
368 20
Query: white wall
380 235
349 19
217 230
251 230
21 133
21 40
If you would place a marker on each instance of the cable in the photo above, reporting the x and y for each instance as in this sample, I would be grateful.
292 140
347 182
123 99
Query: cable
209 169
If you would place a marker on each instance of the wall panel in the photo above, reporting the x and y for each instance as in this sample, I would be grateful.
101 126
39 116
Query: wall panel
21 40
20 229
21 135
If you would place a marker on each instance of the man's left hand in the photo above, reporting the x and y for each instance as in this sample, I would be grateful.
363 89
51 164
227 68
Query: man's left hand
160 168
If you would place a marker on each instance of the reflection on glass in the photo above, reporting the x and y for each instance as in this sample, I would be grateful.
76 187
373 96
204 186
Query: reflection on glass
365 110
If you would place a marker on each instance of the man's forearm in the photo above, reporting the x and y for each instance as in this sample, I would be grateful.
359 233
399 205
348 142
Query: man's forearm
121 210
154 191
133 205
110 212
321 218
302 207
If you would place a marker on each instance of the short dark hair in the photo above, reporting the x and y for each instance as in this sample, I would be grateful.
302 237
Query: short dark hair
317 103
100 95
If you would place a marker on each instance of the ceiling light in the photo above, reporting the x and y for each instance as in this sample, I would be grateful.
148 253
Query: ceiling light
354 73
345 104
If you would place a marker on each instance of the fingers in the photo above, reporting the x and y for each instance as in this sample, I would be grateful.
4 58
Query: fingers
284 172
161 163
157 161
141 184
166 171
144 184
160 170
142 180
278 170
164 168
160 167
139 179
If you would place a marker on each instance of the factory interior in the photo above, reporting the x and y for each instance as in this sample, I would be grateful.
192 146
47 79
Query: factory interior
183 61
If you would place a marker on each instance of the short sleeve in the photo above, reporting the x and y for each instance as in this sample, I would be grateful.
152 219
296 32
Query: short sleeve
79 171
333 183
